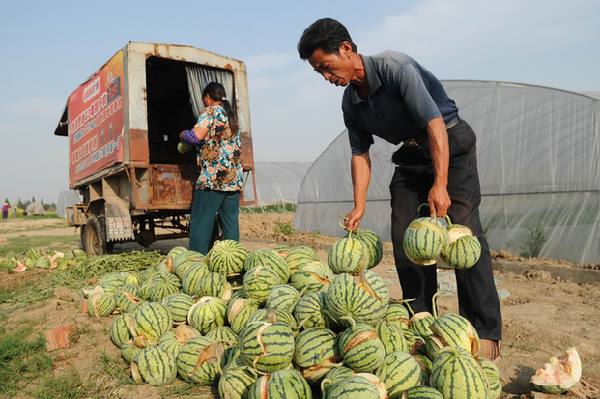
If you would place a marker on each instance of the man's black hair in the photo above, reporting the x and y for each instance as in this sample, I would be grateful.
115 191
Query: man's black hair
326 34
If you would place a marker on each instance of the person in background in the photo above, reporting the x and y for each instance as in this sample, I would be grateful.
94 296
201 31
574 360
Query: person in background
5 208
218 187
392 96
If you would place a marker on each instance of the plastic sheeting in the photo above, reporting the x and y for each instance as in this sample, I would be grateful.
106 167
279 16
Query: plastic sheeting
277 182
539 168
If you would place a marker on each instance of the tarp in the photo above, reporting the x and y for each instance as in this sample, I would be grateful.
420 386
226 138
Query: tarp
35 208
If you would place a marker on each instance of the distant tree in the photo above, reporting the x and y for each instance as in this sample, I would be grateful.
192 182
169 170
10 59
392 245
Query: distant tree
7 201
32 198
20 204
47 207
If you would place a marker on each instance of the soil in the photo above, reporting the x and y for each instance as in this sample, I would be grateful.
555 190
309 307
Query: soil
541 317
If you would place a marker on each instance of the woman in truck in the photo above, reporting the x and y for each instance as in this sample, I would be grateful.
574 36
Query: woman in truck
217 139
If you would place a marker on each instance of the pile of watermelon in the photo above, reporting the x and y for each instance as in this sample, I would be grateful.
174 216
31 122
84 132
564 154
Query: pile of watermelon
281 323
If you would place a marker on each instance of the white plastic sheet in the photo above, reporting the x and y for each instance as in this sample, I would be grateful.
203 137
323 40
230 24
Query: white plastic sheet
277 182
539 168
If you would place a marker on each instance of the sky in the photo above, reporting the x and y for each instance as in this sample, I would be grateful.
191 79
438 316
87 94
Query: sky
49 47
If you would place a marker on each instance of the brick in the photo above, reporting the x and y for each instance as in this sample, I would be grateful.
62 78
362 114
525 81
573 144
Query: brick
83 306
59 337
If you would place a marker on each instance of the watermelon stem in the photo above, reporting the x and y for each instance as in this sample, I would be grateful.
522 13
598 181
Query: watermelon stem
434 304
350 320
406 303
420 207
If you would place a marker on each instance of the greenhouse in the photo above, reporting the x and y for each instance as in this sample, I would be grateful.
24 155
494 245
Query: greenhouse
276 182
538 160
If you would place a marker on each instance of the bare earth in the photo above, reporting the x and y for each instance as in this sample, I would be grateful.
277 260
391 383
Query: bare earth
542 316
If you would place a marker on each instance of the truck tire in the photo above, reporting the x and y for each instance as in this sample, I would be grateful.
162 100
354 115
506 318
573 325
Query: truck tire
93 237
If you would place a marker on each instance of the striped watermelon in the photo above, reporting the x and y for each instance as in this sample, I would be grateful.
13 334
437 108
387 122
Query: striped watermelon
192 278
110 281
337 373
424 240
224 335
282 250
131 278
399 372
239 311
129 352
227 257
347 255
361 348
421 323
300 255
463 249
397 313
101 304
171 255
154 366
281 384
363 298
456 374
433 346
207 313
456 331
163 285
127 298
392 337
147 274
271 259
178 305
309 310
214 284
274 316
231 358
151 321
146 288
423 392
315 353
267 347
184 333
492 378
199 360
120 330
235 382
358 386
312 276
169 343
258 282
373 246
183 261
283 297
425 364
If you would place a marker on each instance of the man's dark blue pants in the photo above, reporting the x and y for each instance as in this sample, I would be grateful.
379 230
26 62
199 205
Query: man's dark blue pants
410 185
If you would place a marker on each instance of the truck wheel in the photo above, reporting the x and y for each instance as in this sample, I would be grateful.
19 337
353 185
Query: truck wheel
93 237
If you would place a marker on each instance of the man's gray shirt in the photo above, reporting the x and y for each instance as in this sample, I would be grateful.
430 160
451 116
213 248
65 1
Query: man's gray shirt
403 98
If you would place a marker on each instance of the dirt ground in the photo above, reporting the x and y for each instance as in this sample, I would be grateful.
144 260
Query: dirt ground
541 316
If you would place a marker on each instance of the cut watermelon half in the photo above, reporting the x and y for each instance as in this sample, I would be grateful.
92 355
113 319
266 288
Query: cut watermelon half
560 374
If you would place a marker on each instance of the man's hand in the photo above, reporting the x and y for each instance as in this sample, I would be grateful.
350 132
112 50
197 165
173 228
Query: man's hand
438 200
352 219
